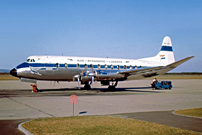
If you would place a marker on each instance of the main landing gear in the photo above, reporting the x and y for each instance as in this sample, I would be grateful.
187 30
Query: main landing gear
87 86
113 86
86 80
89 81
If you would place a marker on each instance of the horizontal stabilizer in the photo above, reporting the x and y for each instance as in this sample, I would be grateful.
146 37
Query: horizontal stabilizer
175 64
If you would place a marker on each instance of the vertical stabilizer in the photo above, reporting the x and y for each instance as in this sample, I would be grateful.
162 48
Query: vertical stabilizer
166 55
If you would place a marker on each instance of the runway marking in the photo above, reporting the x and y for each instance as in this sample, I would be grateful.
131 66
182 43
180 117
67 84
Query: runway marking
31 107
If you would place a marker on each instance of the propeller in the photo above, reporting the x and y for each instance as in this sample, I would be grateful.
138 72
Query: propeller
92 78
78 80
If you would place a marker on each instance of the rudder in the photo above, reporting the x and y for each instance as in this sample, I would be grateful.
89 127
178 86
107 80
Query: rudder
166 54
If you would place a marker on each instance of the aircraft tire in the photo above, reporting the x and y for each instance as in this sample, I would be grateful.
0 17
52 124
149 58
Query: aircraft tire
87 87
111 88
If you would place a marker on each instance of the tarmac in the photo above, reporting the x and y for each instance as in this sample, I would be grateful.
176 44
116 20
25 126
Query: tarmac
132 99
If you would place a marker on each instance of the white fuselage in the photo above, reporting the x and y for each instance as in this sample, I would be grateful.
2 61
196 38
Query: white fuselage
65 68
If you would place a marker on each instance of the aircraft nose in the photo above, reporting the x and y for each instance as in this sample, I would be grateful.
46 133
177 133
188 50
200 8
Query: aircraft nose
13 72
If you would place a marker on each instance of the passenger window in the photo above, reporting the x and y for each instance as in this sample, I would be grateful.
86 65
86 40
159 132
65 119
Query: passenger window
57 65
77 65
66 65
125 67
118 67
86 66
98 66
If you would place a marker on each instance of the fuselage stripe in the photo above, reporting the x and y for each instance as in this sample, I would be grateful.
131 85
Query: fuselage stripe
43 66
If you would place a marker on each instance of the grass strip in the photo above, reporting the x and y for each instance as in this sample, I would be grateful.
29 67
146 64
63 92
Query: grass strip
8 77
196 112
96 125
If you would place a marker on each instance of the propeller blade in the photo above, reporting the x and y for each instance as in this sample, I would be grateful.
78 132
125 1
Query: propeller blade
78 83
92 81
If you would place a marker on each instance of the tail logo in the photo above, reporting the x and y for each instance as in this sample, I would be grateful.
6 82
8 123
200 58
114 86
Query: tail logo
162 57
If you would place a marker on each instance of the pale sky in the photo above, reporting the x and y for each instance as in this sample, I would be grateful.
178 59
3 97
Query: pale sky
129 29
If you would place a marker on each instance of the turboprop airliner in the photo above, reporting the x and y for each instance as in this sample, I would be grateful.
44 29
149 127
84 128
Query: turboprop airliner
86 70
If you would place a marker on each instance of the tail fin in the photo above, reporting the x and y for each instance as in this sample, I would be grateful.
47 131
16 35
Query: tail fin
166 55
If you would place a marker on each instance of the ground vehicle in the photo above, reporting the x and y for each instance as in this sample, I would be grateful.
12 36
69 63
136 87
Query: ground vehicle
163 84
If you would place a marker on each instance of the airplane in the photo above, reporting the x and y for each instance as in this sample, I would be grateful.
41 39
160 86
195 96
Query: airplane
86 70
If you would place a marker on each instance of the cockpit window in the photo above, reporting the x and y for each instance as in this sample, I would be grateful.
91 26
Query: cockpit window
30 60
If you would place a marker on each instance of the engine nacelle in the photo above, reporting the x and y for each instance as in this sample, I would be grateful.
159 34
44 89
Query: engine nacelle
109 77
86 78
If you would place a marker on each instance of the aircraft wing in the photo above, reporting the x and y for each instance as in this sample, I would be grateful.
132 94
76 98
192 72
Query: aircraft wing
175 64
148 72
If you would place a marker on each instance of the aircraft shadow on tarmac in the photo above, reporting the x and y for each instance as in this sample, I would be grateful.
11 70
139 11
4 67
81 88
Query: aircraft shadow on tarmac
72 91
127 89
